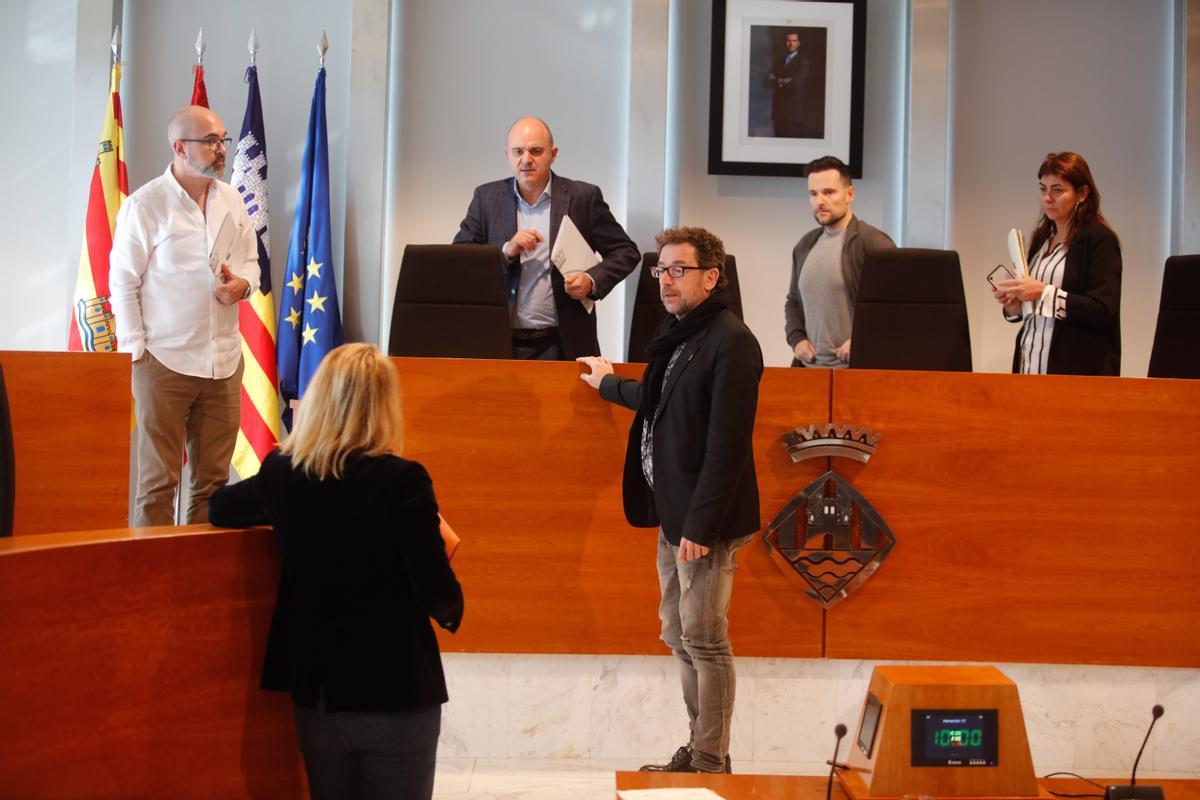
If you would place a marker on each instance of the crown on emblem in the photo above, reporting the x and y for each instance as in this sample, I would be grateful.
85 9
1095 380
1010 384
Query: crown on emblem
831 440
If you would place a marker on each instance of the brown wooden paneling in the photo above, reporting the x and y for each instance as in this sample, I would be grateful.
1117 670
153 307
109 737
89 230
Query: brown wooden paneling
131 663
526 461
1037 518
71 425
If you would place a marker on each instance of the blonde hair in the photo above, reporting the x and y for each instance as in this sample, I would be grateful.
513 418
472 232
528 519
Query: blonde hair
351 408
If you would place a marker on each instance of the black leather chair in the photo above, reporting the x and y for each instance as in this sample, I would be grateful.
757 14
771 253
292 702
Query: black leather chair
911 312
1176 350
648 311
450 303
7 464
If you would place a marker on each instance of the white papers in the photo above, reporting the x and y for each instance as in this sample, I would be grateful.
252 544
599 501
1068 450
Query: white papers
572 254
668 794
1016 252
222 249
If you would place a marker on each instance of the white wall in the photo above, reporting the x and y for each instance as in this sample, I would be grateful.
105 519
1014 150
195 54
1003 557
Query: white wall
38 38
470 68
1030 78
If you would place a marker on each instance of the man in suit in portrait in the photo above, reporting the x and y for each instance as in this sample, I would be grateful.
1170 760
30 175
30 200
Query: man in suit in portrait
789 73
521 215
689 471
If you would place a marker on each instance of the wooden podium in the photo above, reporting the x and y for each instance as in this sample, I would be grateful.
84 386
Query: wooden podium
940 731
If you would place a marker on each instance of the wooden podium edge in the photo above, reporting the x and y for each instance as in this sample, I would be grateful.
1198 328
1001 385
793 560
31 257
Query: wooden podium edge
854 787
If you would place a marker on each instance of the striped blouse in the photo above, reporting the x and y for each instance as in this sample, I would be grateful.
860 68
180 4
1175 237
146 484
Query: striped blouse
1038 329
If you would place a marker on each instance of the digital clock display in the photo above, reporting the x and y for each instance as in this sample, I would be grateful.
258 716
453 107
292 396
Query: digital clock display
954 738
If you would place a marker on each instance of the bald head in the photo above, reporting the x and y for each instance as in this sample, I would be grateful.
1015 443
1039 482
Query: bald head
530 151
187 122
197 139
533 125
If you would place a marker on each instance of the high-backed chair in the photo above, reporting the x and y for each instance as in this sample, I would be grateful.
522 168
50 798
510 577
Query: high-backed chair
450 303
648 311
7 464
911 312
1176 351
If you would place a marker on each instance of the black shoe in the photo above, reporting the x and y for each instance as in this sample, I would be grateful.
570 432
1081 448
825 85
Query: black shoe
680 762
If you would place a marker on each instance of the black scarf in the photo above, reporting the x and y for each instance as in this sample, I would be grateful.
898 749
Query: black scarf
670 335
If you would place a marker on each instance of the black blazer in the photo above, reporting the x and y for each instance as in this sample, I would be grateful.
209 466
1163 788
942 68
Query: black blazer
704 482
1088 341
364 568
492 219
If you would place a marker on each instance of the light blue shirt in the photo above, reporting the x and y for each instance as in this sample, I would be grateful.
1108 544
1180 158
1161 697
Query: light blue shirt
535 295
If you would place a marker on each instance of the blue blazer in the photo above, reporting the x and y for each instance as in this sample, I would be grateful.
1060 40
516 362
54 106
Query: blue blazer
492 219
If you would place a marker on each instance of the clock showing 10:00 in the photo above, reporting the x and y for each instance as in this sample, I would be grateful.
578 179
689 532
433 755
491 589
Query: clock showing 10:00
955 737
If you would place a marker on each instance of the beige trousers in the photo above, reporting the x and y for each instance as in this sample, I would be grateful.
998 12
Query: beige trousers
170 406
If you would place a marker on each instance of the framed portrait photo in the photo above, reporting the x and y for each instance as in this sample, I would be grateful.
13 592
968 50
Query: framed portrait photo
786 86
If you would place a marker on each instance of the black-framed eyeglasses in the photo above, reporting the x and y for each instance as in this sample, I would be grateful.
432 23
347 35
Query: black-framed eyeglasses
212 142
674 270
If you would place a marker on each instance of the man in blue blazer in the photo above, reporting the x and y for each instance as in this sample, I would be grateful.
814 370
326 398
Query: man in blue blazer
521 215
689 471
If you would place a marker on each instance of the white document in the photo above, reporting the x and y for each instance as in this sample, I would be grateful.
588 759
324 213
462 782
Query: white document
573 254
222 249
1016 252
668 794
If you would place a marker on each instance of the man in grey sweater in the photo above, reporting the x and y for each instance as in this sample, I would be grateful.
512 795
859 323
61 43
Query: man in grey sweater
827 264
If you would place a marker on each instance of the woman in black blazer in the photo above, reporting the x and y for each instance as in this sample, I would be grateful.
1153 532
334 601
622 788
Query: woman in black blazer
1073 325
364 570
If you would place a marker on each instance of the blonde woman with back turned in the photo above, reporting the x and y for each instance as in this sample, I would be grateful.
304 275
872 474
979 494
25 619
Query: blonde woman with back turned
364 570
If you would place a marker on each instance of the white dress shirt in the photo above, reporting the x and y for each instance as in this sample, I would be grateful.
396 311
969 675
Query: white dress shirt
162 291
535 294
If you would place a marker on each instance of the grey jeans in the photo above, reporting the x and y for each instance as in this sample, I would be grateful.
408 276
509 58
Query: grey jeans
695 625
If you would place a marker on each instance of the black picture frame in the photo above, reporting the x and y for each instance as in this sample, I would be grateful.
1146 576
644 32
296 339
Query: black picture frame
772 130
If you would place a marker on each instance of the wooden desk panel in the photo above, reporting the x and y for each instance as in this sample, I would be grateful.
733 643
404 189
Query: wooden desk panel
131 662
1038 518
526 460
813 787
71 417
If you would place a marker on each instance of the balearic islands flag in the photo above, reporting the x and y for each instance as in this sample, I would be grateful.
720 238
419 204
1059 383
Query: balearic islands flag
259 430
92 326
310 324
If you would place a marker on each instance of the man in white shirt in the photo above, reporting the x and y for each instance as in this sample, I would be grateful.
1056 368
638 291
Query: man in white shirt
178 319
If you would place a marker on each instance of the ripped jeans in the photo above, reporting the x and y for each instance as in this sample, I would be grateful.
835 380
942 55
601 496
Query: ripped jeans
694 613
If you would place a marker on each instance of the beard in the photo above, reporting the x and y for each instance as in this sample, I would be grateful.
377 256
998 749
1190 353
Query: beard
214 169
834 218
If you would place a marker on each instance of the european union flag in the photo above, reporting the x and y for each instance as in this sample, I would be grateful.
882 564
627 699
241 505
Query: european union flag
310 324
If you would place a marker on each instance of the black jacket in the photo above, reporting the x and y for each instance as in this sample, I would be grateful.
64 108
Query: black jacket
704 482
364 568
492 219
1088 341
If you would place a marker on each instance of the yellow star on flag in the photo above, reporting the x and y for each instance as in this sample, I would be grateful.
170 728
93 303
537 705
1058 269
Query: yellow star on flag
294 317
310 334
297 283
317 302
314 269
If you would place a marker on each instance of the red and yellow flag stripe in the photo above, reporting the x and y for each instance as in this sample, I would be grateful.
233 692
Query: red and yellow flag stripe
92 325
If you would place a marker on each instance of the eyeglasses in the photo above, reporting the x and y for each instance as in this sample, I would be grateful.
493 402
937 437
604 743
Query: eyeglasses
675 270
212 142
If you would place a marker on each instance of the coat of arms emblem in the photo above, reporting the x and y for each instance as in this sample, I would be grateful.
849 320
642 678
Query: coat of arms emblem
828 539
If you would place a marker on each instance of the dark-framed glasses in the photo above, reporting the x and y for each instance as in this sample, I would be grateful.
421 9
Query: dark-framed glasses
212 142
674 270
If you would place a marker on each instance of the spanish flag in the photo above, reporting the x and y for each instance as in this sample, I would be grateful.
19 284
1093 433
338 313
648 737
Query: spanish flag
92 327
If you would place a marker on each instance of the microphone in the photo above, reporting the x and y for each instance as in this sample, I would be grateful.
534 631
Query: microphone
1133 791
839 731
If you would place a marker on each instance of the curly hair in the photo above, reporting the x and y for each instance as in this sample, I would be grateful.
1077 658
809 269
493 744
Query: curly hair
710 251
